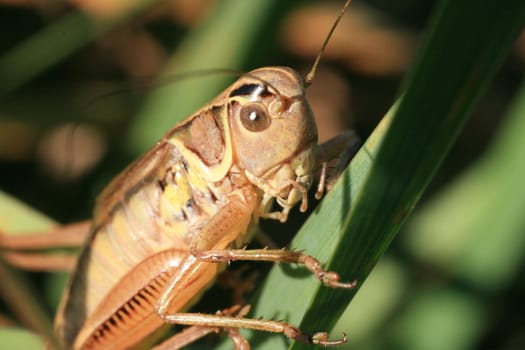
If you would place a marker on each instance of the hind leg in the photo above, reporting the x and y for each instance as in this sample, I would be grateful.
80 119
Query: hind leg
22 250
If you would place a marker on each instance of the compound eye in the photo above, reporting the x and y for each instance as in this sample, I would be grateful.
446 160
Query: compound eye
254 117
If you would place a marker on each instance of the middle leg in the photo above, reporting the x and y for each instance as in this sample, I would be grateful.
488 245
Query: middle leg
329 278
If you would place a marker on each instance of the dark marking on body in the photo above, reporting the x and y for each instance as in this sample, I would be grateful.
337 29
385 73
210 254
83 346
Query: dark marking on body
246 89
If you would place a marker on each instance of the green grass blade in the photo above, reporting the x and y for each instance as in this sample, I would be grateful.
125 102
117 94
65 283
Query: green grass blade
483 242
53 44
465 43
21 339
16 217
476 228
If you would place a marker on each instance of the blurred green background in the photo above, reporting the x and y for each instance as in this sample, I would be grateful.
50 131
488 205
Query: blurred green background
82 93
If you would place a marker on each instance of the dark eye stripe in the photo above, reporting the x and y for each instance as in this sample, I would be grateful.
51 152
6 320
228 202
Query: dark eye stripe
246 89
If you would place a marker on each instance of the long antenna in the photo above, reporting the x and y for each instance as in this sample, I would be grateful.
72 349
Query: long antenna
310 76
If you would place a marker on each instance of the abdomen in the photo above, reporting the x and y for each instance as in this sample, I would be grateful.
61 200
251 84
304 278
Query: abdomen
130 257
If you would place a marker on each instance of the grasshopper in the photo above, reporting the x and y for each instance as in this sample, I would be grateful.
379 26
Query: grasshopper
165 227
